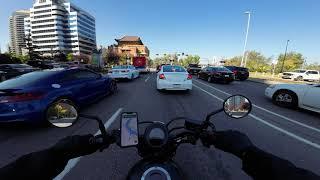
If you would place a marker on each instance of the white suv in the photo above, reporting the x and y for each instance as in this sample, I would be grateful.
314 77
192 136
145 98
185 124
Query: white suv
300 74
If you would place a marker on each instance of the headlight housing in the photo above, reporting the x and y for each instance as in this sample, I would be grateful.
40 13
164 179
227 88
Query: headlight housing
272 86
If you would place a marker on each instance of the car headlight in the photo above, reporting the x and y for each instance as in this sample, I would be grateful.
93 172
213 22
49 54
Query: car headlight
272 86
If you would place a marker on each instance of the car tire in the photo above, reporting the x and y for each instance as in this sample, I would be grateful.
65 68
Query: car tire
299 78
113 87
65 100
209 79
285 98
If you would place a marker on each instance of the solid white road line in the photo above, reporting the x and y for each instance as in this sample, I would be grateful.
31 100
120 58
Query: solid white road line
73 162
269 124
147 79
266 110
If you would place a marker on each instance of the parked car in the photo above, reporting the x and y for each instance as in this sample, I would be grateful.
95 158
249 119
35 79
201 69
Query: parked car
124 72
240 73
28 97
295 95
13 70
301 74
43 64
216 74
172 77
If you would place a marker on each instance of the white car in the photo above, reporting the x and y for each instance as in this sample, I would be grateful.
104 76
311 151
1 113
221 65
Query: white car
124 72
295 95
301 74
171 77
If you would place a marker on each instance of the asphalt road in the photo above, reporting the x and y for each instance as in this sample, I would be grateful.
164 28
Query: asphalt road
290 134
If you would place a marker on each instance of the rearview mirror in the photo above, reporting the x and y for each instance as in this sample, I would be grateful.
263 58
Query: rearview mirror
237 106
62 115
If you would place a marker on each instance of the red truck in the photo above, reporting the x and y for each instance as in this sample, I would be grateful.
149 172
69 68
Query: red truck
141 63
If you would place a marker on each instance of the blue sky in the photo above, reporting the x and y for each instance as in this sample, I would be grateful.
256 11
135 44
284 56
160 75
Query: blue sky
205 27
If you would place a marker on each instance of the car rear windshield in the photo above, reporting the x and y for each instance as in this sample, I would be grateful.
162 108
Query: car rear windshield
173 69
242 69
194 65
20 66
120 67
26 79
220 69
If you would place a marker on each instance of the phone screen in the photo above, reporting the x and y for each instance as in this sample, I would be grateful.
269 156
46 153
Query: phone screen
129 129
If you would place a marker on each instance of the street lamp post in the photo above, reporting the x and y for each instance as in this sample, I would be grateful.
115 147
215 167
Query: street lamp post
244 57
285 54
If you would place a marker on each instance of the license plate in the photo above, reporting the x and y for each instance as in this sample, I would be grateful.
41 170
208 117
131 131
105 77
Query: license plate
226 76
176 85
242 72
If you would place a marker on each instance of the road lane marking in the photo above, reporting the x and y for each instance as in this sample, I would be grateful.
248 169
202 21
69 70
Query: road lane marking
315 145
266 110
73 162
286 132
147 79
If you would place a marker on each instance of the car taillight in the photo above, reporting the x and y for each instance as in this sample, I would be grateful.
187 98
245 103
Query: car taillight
161 76
22 97
189 77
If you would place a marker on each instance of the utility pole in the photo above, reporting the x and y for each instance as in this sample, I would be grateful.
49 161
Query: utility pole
285 54
244 57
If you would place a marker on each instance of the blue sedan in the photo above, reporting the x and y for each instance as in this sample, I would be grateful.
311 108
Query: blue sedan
27 98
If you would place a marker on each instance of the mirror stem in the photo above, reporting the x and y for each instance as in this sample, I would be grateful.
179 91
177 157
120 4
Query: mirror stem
213 113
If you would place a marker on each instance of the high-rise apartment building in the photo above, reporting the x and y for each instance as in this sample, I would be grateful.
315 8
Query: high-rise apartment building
60 26
17 34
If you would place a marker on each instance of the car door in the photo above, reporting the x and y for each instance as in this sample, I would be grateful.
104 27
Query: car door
311 97
314 75
85 85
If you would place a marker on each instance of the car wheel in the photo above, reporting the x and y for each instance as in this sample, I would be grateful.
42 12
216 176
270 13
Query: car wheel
299 78
113 87
285 98
51 110
209 79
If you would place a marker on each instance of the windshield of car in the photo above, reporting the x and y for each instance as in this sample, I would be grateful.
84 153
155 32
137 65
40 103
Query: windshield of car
173 69
300 71
26 79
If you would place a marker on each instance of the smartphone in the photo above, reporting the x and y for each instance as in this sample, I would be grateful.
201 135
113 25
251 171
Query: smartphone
129 129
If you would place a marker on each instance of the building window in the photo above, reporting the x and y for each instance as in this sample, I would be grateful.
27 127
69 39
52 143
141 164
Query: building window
43 11
43 6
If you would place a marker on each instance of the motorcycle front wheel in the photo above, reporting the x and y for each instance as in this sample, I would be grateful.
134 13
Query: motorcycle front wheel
147 170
